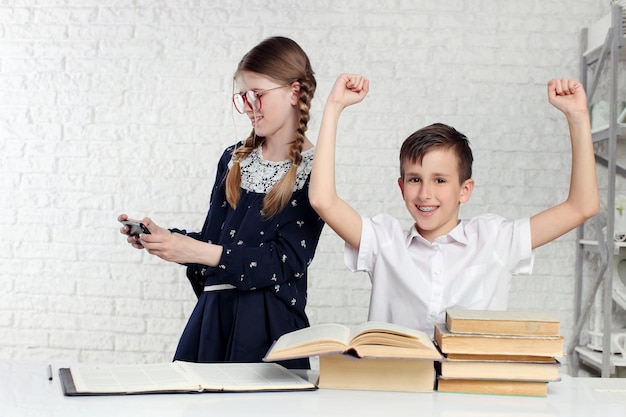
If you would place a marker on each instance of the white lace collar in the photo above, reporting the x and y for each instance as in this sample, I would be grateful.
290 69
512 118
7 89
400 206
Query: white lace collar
259 175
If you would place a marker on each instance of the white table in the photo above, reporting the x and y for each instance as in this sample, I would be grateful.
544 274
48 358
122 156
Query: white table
26 391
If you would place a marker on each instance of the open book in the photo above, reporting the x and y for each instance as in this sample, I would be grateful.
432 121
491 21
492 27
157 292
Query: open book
370 339
179 377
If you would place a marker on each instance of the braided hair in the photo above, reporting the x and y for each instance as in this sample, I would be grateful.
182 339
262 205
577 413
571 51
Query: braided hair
283 60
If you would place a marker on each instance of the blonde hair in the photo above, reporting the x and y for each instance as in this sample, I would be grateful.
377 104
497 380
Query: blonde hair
283 60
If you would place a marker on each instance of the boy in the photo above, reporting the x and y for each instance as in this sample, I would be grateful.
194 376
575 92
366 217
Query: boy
440 263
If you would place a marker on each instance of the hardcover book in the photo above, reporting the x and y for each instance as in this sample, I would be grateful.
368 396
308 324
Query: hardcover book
514 323
483 344
522 370
371 356
340 371
370 339
478 386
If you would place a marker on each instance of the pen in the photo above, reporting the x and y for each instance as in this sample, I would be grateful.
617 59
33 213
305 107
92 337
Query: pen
49 372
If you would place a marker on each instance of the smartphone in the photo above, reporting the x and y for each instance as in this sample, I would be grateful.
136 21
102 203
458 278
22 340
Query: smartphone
135 228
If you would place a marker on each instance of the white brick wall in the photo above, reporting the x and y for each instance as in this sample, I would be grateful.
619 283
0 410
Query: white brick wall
124 106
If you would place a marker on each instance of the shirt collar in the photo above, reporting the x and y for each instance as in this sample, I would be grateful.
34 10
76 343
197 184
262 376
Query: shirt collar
455 235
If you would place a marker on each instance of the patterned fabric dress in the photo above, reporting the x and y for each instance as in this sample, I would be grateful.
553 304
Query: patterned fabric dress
264 260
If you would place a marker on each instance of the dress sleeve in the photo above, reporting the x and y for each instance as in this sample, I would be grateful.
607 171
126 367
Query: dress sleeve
196 273
284 257
216 194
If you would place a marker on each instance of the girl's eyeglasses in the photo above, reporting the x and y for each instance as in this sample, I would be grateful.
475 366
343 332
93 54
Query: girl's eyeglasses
252 98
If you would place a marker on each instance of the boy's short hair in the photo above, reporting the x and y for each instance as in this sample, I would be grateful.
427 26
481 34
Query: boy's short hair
437 136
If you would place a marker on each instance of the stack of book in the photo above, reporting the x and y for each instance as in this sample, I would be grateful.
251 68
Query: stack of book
372 356
498 352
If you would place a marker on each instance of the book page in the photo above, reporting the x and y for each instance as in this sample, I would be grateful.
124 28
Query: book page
244 376
386 351
131 378
320 338
396 333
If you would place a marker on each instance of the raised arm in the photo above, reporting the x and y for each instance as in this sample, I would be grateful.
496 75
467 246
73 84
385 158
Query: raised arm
583 200
339 215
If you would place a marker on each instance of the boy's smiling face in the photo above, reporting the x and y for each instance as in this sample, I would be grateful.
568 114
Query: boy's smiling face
433 193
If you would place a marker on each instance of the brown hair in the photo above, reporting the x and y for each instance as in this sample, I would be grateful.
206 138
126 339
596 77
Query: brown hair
437 136
283 60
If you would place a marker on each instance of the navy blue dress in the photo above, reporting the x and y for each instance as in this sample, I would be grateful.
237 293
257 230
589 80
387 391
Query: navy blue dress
265 260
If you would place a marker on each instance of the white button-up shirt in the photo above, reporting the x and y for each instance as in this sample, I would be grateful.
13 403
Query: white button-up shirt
415 281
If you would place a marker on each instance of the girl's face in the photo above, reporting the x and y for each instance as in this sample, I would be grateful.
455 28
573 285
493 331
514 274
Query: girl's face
272 110
433 194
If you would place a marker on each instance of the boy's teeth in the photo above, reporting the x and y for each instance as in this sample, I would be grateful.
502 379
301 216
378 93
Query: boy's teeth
426 208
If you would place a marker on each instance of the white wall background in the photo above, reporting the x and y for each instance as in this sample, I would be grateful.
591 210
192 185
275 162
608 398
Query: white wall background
110 106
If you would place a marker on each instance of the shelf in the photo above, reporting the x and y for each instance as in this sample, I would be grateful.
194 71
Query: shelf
592 55
593 358
605 163
590 242
602 55
596 39
601 134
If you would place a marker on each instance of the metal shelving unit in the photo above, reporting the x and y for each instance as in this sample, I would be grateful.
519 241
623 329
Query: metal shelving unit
601 43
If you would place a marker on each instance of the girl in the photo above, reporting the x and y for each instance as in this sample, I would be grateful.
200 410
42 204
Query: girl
248 265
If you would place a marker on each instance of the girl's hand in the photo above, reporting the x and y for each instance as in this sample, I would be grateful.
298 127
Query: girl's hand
172 247
134 240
